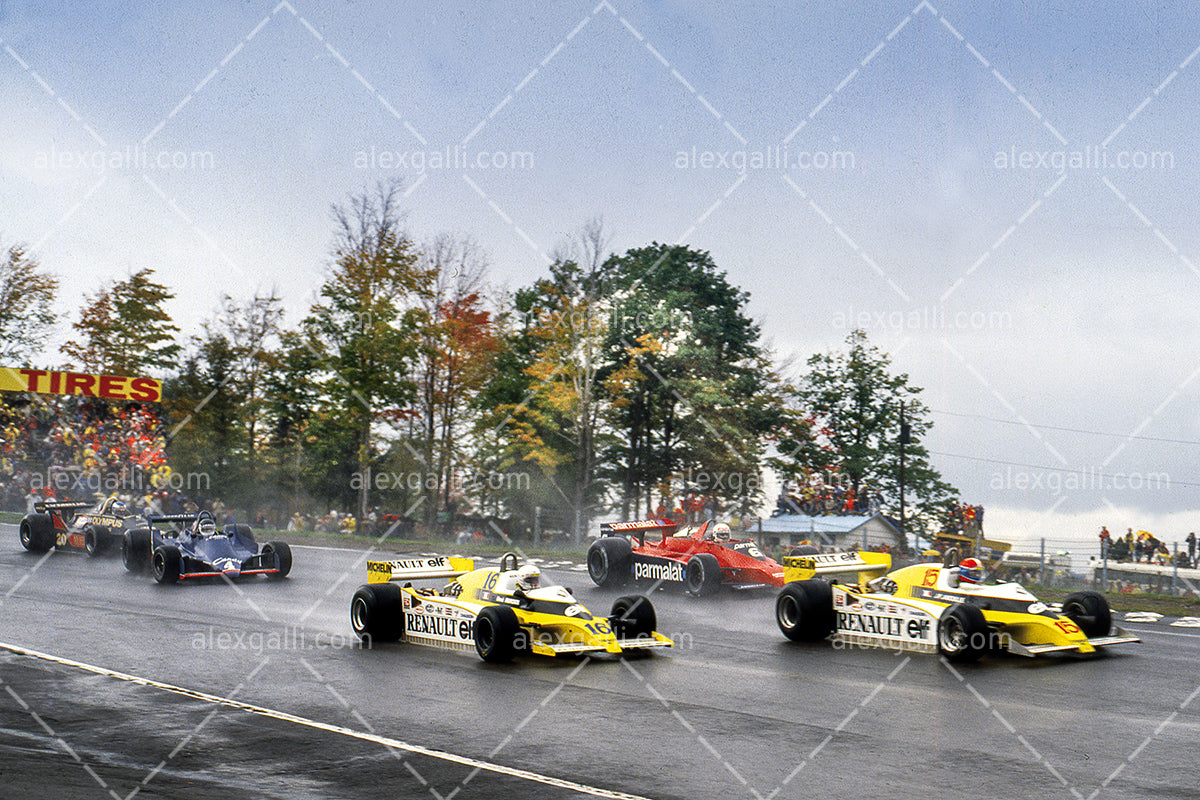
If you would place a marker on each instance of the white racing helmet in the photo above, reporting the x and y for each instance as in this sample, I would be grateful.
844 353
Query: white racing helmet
529 577
721 532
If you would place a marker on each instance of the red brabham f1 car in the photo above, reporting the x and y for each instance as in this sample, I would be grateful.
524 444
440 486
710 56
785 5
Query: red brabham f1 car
700 559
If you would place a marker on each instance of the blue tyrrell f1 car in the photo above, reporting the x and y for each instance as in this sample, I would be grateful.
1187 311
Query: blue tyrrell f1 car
198 549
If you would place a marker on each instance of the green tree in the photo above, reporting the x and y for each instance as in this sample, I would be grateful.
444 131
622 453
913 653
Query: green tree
365 329
124 328
27 318
690 386
220 397
545 402
848 425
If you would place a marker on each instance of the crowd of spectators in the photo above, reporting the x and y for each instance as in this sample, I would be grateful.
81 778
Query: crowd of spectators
79 449
818 498
1142 547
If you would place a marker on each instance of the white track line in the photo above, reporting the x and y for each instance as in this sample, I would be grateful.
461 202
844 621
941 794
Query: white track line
366 737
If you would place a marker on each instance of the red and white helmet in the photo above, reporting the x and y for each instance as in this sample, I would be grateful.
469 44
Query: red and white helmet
970 570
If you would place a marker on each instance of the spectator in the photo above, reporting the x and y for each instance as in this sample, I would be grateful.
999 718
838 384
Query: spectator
1191 548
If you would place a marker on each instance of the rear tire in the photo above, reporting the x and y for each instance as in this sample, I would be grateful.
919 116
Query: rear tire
284 552
608 562
1089 610
804 610
37 533
633 617
963 633
135 550
167 564
377 613
703 576
496 630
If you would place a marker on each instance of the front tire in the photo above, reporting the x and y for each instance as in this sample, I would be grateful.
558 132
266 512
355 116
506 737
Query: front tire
963 633
95 541
703 576
496 629
1089 610
167 564
804 610
135 550
284 554
633 617
608 562
37 533
377 613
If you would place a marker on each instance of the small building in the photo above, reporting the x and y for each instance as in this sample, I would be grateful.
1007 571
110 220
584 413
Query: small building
847 532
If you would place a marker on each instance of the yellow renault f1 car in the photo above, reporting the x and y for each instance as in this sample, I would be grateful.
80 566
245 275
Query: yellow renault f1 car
500 613
931 608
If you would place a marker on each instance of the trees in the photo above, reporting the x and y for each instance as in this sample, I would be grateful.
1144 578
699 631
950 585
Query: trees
848 425
690 388
364 329
545 405
220 397
458 343
26 296
124 328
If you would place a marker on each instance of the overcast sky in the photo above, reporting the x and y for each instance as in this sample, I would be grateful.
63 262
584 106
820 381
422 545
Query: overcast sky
1003 198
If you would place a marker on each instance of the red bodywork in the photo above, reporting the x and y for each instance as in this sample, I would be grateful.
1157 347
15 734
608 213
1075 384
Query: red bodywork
741 561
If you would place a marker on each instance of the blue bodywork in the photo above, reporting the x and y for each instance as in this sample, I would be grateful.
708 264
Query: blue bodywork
227 552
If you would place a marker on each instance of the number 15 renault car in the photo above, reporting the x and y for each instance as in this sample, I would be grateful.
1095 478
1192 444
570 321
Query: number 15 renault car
935 609
498 613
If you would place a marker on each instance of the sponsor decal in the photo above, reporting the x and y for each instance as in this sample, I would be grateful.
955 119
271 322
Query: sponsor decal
639 525
442 627
659 571
883 626
108 387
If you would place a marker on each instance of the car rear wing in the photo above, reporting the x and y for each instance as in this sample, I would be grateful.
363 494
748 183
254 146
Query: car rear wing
409 569
638 528
155 518
59 505
866 564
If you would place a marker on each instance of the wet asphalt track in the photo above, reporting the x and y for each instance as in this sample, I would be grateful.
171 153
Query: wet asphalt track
735 711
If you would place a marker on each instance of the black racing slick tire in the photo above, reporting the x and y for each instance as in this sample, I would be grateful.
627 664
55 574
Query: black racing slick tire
37 533
804 610
167 563
95 541
703 576
135 550
633 617
1089 610
804 550
608 561
963 633
377 613
284 553
496 632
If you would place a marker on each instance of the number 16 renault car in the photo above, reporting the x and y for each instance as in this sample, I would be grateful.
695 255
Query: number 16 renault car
935 609
498 613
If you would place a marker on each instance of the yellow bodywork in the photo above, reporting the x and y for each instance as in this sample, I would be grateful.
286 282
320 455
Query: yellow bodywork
567 628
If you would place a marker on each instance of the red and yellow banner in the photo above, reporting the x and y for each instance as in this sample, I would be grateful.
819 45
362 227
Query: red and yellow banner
106 387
